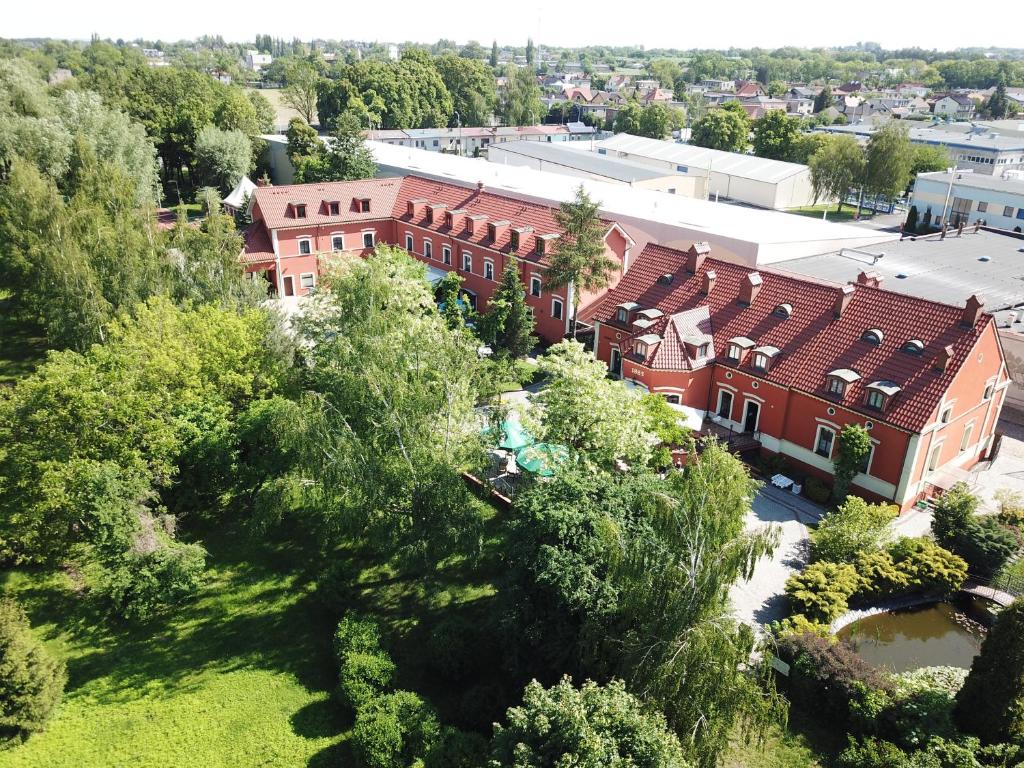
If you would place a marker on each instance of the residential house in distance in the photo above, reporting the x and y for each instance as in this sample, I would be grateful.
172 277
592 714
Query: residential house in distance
786 362
446 226
996 200
954 106
911 90
757 107
468 141
255 61
712 84
746 89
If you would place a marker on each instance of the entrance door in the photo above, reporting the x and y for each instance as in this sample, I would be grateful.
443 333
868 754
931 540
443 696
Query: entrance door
289 285
616 366
725 405
750 417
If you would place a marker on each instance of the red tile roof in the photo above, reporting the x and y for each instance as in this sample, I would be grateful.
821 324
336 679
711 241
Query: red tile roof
274 202
257 245
496 208
812 340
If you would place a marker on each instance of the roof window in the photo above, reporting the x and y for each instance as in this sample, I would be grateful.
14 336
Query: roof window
785 311
914 347
873 336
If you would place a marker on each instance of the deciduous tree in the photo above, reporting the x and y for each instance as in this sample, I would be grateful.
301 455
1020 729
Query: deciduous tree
775 135
722 128
836 167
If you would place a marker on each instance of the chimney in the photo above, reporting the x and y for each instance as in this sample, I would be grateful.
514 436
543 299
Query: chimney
695 256
709 282
479 186
843 300
456 219
972 311
750 286
417 207
477 222
942 358
870 279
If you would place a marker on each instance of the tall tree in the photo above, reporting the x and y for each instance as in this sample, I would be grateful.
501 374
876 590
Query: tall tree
300 90
32 682
991 702
347 158
656 121
628 119
222 158
888 160
471 85
580 261
494 55
823 100
723 128
519 102
508 323
998 103
854 449
530 53
836 167
775 135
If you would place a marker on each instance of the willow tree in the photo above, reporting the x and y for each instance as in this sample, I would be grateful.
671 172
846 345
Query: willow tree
390 417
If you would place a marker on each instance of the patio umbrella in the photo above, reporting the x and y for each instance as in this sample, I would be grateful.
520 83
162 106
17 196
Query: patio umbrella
542 458
514 436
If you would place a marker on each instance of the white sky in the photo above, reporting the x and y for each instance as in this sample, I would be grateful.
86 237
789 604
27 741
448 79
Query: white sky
653 23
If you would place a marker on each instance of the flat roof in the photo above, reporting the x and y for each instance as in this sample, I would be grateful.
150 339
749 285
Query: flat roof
1013 186
730 163
960 135
591 162
945 270
791 235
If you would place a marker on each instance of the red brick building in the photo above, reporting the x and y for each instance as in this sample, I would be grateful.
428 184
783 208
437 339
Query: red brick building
790 361
447 226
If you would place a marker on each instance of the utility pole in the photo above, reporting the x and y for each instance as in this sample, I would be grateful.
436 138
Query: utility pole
458 119
949 192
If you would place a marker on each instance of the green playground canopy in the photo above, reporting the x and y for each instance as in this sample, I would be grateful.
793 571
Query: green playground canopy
514 436
542 458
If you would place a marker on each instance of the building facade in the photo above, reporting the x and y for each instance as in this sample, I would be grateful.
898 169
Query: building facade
296 229
964 198
790 361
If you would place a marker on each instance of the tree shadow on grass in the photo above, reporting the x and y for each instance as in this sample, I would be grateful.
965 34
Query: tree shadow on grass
337 754
318 719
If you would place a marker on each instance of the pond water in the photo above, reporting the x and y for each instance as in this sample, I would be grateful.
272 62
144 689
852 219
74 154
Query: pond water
939 634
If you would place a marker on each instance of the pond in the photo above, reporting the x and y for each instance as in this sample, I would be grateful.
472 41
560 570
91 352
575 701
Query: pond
938 634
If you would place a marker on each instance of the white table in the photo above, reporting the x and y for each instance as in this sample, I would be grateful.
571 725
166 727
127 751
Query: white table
781 481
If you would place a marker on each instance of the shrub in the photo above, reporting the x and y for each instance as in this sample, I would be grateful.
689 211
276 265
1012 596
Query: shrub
922 704
873 753
334 586
798 624
816 490
929 568
140 585
451 647
31 681
982 541
831 679
774 464
822 590
393 731
362 676
355 634
854 528
458 749
1011 507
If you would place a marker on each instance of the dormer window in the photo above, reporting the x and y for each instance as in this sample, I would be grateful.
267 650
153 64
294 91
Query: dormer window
878 394
640 348
873 336
914 347
763 357
515 240
839 380
334 208
621 315
734 352
785 311
300 210
736 346
666 279
702 350
362 204
624 310
449 220
643 344
492 232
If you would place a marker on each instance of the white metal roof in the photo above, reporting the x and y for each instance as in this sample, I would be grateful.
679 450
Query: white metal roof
791 236
730 163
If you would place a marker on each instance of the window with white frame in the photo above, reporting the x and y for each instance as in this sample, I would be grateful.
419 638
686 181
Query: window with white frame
946 414
934 457
367 239
875 399
557 308
409 242
621 315
824 441
735 351
836 386
989 389
446 254
337 242
307 280
865 463
489 269
428 249
702 350
535 286
334 208
305 246
965 441
760 361
467 262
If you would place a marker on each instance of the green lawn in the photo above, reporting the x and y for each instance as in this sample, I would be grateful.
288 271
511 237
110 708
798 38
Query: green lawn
238 677
815 211
804 743
22 346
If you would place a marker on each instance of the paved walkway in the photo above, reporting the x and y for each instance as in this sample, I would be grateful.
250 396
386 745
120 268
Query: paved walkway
762 599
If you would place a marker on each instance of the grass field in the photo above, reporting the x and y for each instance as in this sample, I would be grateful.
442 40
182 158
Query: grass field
804 743
22 346
847 214
284 112
238 677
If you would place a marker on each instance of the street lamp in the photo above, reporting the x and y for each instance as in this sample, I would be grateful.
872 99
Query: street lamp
458 122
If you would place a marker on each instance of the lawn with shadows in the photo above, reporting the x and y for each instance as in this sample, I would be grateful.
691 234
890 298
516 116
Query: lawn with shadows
239 676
